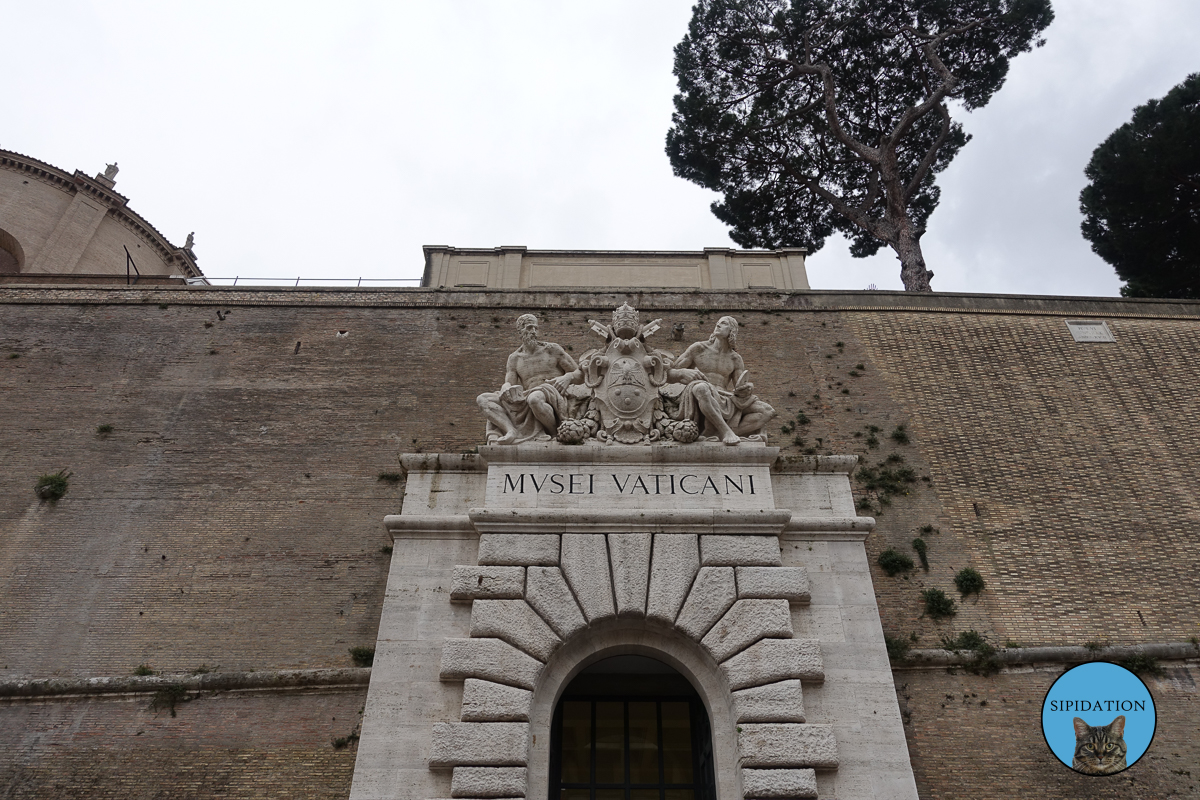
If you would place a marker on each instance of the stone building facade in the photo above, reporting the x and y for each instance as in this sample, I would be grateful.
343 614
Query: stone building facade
261 480
75 228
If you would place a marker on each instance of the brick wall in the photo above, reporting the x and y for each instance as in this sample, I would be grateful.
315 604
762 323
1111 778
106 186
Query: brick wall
228 745
233 517
982 738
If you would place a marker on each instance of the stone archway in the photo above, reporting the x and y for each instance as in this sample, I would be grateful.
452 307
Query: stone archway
12 256
717 608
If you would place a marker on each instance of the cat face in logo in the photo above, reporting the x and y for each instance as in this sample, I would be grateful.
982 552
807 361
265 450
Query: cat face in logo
1099 750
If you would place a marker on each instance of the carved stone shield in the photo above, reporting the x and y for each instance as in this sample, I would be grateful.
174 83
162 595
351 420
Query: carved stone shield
627 395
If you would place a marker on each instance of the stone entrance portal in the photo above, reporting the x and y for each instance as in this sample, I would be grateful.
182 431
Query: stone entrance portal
628 506
516 569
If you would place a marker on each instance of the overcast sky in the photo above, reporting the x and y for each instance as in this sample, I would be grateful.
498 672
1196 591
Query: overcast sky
333 140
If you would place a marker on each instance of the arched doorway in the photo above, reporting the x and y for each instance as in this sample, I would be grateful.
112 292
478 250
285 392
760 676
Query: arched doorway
630 727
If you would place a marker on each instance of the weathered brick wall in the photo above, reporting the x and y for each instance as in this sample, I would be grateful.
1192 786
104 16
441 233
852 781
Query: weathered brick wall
229 745
982 738
233 517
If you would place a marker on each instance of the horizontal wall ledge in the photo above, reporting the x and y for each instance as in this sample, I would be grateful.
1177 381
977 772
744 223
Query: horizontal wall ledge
566 520
265 680
1070 654
837 465
442 462
859 525
534 520
453 525
651 301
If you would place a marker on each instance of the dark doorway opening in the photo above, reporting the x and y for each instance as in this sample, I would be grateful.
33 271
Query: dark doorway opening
630 728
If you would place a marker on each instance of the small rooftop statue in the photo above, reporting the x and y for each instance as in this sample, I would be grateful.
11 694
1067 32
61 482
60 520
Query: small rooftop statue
191 238
111 170
626 391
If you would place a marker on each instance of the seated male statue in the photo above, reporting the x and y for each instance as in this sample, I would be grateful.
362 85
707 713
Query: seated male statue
533 401
717 396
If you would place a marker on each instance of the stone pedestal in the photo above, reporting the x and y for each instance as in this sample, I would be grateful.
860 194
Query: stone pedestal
515 569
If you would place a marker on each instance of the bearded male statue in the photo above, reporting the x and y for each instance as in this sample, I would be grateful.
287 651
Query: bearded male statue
716 395
533 400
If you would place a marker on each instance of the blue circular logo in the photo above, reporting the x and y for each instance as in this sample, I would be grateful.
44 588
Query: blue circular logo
1098 718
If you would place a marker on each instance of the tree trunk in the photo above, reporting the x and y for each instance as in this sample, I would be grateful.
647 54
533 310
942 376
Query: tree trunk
912 263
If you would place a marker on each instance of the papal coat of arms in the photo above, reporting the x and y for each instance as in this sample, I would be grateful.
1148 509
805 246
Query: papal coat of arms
615 393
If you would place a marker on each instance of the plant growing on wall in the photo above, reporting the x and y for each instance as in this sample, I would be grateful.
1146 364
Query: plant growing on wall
938 605
894 563
52 487
968 582
362 656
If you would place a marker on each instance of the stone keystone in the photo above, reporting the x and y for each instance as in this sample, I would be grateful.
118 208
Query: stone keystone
488 782
772 660
711 596
773 702
631 571
784 583
489 659
518 549
781 783
484 701
781 744
673 566
585 565
519 625
547 592
744 624
485 744
492 583
735 551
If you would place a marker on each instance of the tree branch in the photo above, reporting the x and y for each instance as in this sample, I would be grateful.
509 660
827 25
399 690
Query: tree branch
930 154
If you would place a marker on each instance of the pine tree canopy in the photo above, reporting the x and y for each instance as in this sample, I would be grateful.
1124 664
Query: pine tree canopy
815 116
1142 207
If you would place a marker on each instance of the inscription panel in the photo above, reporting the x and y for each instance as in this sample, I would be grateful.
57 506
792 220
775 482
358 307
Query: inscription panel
630 486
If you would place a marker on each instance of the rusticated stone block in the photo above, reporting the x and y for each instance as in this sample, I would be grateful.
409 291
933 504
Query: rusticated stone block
739 551
673 566
745 623
782 744
630 554
772 660
711 596
784 583
485 701
776 783
547 593
484 744
518 549
774 702
516 623
492 583
488 782
490 659
585 566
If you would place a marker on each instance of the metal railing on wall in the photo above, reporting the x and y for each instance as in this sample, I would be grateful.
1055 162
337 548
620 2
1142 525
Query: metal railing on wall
240 280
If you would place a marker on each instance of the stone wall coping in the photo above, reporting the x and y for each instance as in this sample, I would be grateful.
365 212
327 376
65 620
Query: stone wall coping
836 465
626 454
653 301
418 524
553 521
264 680
760 522
863 525
700 453
1068 654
